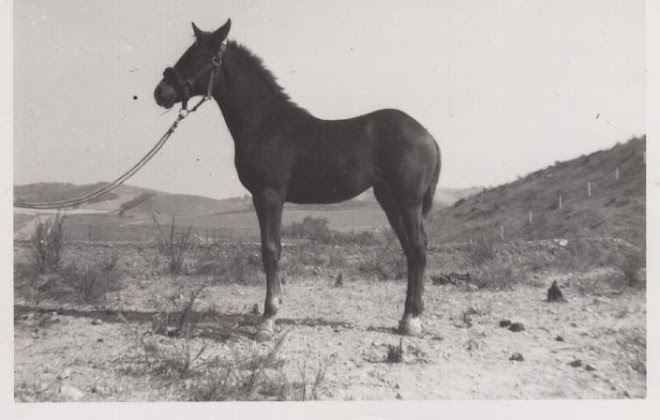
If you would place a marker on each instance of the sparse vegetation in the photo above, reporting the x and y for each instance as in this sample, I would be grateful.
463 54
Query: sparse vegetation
395 352
174 245
48 243
317 230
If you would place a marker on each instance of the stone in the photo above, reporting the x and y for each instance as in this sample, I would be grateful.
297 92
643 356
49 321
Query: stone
505 323
66 373
71 393
517 327
559 338
576 363
517 357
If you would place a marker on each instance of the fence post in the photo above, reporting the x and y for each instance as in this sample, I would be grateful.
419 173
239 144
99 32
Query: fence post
89 234
502 232
617 173
589 189
560 204
531 216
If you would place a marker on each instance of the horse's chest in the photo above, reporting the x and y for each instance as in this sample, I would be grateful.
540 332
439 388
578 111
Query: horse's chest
259 167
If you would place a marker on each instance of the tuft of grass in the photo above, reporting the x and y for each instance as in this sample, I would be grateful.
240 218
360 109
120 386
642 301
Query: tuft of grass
48 243
88 283
395 352
174 245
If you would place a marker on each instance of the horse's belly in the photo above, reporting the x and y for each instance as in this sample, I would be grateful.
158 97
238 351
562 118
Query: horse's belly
323 184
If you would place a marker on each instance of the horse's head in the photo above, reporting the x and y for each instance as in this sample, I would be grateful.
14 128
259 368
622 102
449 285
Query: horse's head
191 74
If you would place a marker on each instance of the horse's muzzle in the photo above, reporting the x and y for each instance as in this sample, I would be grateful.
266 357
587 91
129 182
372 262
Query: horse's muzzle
165 95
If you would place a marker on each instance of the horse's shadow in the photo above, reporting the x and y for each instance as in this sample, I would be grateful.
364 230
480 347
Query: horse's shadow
215 326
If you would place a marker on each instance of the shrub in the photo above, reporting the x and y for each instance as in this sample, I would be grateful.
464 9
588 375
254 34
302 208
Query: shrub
480 251
88 283
174 245
317 231
48 243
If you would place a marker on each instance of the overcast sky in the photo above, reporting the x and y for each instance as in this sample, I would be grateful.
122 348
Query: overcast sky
505 87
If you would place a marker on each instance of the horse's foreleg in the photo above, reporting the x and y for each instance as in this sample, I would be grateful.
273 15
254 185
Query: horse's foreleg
416 258
268 205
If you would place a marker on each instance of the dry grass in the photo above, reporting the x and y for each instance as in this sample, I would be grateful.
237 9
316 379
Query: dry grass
174 245
48 243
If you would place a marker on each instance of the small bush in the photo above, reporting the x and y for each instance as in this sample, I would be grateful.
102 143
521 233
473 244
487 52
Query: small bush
174 245
88 283
48 243
480 251
395 353
317 231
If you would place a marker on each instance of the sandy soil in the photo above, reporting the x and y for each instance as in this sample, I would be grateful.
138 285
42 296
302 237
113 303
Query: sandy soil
464 353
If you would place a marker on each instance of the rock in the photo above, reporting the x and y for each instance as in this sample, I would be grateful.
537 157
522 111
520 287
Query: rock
399 396
559 338
517 357
255 309
472 287
554 294
505 323
71 393
99 340
97 322
66 373
589 368
576 363
517 327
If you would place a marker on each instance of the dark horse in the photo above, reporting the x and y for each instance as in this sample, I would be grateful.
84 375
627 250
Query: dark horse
283 153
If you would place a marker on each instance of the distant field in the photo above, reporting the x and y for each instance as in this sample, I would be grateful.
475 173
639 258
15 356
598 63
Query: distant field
240 224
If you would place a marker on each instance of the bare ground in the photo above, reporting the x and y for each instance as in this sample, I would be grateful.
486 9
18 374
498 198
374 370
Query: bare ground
112 351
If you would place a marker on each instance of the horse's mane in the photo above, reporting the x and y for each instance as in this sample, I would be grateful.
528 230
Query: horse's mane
258 71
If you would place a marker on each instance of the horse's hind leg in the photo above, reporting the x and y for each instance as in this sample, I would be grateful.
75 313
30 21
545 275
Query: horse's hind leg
268 204
391 208
413 224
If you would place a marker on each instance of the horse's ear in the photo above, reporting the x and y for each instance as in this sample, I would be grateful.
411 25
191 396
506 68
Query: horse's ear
198 32
221 34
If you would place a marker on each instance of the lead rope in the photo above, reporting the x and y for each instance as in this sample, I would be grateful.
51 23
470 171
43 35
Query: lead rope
183 113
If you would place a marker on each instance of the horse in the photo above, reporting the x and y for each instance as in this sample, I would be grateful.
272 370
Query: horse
283 153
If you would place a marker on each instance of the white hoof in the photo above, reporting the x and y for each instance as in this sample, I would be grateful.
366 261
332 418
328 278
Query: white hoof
411 326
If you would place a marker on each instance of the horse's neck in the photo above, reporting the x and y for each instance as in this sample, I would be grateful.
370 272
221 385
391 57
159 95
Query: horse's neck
240 103
246 104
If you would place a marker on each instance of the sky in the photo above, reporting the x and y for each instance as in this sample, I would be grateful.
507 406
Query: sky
505 87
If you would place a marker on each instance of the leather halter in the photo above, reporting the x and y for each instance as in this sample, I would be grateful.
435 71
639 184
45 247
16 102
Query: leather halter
183 85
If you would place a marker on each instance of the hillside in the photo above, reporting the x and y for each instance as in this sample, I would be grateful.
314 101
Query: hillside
616 208
57 191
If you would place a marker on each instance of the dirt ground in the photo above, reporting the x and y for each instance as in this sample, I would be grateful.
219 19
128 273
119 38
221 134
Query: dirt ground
112 352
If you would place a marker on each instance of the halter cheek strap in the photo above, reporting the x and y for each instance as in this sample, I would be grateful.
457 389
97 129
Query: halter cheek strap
183 85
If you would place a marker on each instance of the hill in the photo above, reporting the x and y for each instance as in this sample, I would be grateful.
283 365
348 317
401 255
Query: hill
616 207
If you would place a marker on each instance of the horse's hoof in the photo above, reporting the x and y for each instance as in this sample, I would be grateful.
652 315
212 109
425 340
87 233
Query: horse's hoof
410 326
264 336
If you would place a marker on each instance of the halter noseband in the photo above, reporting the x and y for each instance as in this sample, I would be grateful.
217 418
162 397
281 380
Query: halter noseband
183 85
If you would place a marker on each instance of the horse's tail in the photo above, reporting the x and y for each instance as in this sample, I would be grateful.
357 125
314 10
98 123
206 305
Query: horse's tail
427 202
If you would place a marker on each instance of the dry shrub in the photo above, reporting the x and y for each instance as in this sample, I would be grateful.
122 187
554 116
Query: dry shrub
480 251
90 283
174 245
48 243
395 352
387 261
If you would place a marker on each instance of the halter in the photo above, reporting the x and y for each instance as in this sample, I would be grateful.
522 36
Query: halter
183 85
